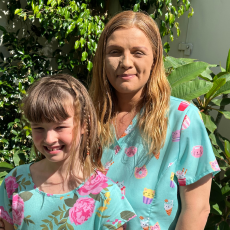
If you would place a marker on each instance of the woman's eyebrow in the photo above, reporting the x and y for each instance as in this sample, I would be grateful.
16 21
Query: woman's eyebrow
135 47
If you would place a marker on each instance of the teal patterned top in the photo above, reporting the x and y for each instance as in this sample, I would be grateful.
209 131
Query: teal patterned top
151 183
96 204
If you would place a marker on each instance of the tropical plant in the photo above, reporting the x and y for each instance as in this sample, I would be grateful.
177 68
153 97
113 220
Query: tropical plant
194 81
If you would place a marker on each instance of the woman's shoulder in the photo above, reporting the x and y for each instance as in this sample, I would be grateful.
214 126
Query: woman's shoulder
180 107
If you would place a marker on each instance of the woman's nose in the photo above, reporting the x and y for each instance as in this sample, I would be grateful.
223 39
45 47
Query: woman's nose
50 137
126 61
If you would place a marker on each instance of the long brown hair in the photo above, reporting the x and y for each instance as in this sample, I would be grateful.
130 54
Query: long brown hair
49 100
153 121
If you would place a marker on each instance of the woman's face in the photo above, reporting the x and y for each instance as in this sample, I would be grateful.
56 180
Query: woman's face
128 61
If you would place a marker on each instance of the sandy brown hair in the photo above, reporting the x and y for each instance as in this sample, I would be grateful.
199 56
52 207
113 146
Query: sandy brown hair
49 100
153 122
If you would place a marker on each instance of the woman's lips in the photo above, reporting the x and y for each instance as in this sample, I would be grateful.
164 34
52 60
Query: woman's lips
127 76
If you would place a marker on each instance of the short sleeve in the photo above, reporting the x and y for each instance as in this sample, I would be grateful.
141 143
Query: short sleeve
116 210
196 157
6 193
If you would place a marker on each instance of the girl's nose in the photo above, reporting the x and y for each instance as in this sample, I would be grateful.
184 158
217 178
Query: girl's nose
126 61
50 137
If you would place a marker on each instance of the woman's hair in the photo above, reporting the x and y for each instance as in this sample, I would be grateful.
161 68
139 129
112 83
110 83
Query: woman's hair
153 121
50 99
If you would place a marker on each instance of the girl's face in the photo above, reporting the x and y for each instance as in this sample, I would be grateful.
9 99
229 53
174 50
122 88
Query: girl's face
128 60
54 139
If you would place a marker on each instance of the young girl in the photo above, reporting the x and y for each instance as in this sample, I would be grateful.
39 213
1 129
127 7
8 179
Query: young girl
66 189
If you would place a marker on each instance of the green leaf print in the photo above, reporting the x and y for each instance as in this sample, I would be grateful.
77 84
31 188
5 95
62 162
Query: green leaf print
109 226
67 213
26 196
70 226
18 177
56 213
62 221
106 189
95 196
126 215
14 174
55 220
62 227
119 225
105 216
51 225
71 201
28 221
44 227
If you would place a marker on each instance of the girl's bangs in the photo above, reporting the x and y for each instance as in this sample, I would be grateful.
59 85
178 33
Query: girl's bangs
52 105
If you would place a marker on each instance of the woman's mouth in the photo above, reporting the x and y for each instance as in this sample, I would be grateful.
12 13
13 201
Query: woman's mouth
127 76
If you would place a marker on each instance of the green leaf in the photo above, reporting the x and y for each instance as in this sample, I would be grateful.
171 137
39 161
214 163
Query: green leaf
227 148
221 102
224 226
176 62
226 190
89 65
16 159
186 73
70 28
171 18
77 44
84 56
216 209
49 2
136 7
4 165
225 89
216 86
82 41
26 195
206 74
225 113
59 2
166 47
228 62
17 11
3 29
62 221
191 90
209 124
126 215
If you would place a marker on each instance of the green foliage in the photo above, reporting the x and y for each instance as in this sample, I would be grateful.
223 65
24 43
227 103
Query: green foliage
165 12
182 74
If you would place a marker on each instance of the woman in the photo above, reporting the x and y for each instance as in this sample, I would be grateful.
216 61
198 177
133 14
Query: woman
155 146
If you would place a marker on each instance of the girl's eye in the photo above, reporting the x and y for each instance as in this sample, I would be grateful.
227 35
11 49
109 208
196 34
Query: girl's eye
60 127
139 53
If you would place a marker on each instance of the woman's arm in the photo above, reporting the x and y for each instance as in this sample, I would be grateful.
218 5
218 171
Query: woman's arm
195 204
7 226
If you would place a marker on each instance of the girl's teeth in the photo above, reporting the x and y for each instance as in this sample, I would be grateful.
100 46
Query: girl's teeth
53 149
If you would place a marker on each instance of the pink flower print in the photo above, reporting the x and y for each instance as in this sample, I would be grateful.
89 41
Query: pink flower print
117 149
82 210
11 185
48 194
155 227
140 172
17 209
176 136
94 185
131 151
214 165
197 151
4 214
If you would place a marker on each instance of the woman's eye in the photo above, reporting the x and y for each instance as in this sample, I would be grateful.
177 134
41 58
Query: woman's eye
60 127
139 53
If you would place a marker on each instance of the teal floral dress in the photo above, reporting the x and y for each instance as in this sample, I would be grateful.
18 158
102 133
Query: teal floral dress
151 183
96 204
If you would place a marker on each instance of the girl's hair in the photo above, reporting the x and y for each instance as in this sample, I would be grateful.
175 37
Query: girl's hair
49 99
153 121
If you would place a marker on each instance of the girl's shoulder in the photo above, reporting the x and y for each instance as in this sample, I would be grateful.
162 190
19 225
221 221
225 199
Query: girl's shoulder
21 170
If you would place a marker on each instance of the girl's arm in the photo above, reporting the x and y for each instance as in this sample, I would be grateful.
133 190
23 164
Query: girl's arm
7 226
121 228
195 204
2 227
